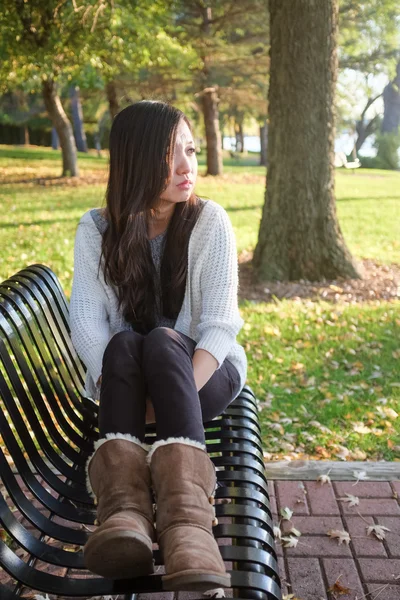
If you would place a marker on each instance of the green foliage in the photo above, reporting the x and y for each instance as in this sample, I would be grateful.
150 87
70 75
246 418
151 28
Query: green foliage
46 40
388 156
231 44
369 35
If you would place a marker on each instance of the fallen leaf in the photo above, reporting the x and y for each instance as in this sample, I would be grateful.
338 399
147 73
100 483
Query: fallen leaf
342 453
216 593
357 454
360 476
338 588
290 542
324 478
352 500
286 513
295 532
389 412
378 531
340 535
360 428
277 532
72 548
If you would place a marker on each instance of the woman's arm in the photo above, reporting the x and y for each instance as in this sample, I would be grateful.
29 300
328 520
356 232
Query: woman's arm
220 320
204 365
88 308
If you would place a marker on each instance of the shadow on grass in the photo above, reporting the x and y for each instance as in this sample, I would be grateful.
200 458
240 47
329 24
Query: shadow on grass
42 153
241 208
32 223
380 198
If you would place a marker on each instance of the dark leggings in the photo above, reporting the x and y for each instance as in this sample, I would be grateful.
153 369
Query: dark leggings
159 365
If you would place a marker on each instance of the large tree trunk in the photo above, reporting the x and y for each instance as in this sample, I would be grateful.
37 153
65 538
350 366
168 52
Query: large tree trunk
112 97
209 100
263 144
77 119
299 235
63 127
391 103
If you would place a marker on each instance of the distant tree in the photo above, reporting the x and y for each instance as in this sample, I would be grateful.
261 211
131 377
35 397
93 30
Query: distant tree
18 108
366 127
391 103
368 35
300 237
369 43
77 119
230 41
47 43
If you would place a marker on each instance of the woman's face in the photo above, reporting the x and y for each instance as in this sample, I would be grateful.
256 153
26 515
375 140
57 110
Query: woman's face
183 167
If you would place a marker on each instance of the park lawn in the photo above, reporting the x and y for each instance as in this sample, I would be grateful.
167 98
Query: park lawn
312 365
327 378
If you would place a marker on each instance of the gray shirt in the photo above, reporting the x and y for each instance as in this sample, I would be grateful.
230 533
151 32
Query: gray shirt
157 246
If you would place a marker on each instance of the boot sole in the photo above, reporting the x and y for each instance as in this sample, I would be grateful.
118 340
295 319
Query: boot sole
119 555
195 581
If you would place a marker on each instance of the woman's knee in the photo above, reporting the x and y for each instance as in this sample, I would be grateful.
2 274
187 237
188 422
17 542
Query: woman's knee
162 343
123 345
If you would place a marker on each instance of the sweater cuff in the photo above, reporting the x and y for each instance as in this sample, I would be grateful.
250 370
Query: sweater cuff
217 342
93 362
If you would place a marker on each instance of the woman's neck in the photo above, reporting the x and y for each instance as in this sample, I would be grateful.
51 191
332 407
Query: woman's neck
159 220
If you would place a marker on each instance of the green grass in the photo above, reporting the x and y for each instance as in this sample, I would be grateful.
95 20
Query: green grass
312 365
334 366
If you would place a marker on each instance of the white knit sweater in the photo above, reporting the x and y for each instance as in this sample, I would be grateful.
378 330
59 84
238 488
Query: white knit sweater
209 313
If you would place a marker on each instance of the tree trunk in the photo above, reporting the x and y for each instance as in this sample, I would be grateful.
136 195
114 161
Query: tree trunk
26 136
239 137
391 103
365 130
209 100
299 235
111 91
55 142
263 144
77 119
63 127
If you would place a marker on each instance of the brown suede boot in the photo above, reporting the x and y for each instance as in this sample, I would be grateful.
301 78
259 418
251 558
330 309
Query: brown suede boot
184 481
119 477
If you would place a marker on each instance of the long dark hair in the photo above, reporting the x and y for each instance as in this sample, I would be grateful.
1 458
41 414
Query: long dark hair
142 139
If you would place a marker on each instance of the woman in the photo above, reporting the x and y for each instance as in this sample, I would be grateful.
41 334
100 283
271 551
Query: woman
154 317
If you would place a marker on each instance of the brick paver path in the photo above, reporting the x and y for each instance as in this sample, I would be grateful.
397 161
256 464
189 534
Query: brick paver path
367 567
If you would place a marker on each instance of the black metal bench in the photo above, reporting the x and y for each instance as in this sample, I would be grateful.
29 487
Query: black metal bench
47 432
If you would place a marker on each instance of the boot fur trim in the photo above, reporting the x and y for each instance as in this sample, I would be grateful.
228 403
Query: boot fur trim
108 438
178 440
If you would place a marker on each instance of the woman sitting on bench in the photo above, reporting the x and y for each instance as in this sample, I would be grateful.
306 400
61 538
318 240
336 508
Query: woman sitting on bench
154 317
